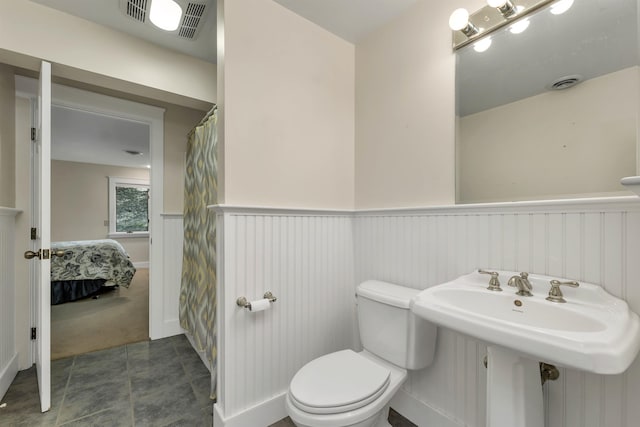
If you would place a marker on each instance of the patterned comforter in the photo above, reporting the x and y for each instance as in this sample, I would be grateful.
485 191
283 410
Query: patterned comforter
92 259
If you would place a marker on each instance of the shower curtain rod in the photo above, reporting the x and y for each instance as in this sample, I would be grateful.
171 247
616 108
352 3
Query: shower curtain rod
209 114
204 119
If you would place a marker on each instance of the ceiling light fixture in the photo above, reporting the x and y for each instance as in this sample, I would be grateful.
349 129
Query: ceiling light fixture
165 14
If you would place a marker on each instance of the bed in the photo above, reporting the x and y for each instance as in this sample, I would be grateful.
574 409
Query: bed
87 268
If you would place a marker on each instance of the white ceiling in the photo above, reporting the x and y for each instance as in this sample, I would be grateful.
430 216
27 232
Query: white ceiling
109 14
81 136
348 19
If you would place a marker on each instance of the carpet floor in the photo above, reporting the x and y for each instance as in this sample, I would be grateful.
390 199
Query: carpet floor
116 318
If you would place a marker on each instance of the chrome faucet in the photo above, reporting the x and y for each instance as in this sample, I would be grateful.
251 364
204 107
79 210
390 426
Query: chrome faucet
522 283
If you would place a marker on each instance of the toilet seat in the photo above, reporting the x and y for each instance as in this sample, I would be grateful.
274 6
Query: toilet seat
338 382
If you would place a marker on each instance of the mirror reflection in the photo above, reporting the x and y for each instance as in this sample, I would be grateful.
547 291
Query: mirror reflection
550 108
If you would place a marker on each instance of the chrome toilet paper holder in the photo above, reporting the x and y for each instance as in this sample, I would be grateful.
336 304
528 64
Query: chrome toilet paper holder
245 303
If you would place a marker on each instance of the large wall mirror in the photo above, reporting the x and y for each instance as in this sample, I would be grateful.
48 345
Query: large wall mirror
518 138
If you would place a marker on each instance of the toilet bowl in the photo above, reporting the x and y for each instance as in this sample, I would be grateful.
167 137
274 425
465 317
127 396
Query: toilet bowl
352 389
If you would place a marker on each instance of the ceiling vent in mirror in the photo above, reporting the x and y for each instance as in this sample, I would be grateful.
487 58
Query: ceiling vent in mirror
136 9
565 82
193 15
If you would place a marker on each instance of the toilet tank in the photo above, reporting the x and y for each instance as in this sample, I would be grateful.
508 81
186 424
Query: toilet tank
389 329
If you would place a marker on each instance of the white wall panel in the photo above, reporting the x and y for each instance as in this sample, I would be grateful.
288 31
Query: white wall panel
8 355
593 242
306 260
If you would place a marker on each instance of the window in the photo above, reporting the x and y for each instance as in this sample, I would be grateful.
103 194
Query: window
128 207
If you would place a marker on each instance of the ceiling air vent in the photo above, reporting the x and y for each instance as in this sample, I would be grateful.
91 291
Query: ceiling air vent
565 82
191 19
193 16
137 9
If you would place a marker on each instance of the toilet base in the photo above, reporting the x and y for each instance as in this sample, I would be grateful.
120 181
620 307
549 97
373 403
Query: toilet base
377 420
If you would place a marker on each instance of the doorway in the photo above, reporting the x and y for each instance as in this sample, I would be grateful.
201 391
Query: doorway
100 167
153 117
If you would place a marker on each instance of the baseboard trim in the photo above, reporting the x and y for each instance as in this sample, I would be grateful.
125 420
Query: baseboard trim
421 413
168 329
8 374
141 264
264 414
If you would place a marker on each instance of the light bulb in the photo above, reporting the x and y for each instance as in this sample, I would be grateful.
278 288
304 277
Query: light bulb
496 3
459 19
482 45
165 14
519 26
561 7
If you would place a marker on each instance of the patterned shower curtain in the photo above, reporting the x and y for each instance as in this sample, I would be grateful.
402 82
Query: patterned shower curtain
198 287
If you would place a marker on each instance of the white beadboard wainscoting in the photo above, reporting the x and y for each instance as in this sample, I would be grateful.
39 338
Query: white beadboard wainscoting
306 259
8 352
595 241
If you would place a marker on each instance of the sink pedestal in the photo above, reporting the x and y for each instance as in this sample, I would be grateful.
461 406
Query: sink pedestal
514 390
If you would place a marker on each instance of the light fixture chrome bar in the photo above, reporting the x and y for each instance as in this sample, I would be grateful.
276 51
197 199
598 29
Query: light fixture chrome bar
507 9
490 19
470 30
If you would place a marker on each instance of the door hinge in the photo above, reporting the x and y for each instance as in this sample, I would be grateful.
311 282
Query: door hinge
33 333
33 134
34 233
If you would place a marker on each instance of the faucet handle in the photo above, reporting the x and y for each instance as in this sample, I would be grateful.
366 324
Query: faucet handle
494 283
555 294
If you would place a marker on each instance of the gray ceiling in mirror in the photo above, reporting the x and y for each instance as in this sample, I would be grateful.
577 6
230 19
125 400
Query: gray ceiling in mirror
593 38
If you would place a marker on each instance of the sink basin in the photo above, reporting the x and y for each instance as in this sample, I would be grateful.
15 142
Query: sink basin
593 331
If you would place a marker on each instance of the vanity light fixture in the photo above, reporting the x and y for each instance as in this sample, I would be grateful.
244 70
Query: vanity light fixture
519 26
482 44
459 21
470 28
165 14
505 7
561 7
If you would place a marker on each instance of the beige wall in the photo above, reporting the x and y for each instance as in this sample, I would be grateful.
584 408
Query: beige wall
80 204
7 137
405 99
288 110
553 145
178 121
88 52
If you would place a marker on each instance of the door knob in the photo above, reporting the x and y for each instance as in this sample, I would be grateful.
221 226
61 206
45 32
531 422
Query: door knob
59 253
31 254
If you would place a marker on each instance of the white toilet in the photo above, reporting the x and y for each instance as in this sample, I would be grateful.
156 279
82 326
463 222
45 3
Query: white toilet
346 388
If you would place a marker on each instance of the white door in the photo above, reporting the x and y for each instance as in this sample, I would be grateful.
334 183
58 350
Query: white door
40 252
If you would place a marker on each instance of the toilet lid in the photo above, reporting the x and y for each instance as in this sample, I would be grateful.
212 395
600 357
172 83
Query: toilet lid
338 382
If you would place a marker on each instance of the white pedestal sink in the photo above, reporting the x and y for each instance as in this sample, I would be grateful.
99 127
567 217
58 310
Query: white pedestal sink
514 390
592 331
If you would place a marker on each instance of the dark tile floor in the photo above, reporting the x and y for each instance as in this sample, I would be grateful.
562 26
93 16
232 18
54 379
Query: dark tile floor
154 383
395 419
158 383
